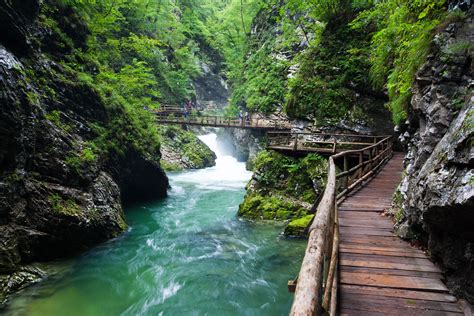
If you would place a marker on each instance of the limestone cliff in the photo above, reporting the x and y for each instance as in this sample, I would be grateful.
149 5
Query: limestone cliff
438 189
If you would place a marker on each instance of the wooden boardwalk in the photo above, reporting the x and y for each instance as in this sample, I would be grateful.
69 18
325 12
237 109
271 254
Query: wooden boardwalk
223 121
379 274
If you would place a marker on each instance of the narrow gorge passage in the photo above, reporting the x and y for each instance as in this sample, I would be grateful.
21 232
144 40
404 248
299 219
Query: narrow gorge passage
186 255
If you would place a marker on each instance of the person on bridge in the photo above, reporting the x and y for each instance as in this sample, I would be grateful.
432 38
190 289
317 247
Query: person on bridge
247 118
241 116
185 111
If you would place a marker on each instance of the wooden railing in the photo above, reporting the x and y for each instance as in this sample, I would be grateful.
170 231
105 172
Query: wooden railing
320 142
222 121
317 282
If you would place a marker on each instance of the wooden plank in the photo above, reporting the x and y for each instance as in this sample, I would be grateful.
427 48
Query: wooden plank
376 223
388 265
364 231
400 305
377 220
392 281
389 259
362 215
373 240
408 249
365 206
352 312
346 310
367 224
392 253
362 209
364 270
389 292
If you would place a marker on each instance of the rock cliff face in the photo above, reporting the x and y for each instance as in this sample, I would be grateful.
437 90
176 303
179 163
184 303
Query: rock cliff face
245 144
438 189
182 149
57 196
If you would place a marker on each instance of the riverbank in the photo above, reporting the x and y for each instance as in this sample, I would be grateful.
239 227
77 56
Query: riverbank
186 254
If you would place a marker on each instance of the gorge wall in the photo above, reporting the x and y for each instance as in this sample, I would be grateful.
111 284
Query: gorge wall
64 169
438 188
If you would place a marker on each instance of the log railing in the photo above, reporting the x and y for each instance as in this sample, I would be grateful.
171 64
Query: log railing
316 285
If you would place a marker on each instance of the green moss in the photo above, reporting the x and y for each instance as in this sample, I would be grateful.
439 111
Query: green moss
297 227
13 177
55 118
84 157
397 207
169 166
256 206
64 206
122 224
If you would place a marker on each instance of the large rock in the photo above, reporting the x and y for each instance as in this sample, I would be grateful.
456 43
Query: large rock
57 195
439 183
182 149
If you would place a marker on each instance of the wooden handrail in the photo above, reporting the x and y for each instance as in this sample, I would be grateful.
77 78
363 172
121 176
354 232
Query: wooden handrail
319 264
331 134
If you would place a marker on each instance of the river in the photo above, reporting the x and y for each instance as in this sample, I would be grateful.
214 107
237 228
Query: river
188 254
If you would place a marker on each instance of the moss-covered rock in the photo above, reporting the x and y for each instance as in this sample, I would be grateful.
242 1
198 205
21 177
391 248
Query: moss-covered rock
182 149
297 227
260 207
284 188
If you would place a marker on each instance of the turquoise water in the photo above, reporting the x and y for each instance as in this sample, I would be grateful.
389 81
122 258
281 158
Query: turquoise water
186 255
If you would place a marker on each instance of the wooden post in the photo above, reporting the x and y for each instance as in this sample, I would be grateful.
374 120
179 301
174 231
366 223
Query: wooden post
295 145
370 158
361 168
334 149
332 265
346 178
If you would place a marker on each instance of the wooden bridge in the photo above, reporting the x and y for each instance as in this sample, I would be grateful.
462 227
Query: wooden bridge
354 264
176 116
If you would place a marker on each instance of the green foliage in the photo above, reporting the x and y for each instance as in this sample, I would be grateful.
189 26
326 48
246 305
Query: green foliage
64 206
404 30
289 176
55 118
137 55
86 156
331 74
